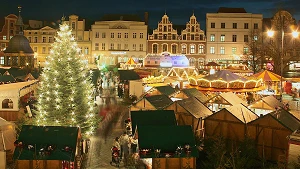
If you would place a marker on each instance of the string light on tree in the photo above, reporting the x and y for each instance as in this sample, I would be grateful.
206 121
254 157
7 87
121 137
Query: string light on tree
65 93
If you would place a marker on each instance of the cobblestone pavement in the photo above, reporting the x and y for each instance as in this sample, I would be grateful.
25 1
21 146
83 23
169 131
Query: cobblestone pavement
99 156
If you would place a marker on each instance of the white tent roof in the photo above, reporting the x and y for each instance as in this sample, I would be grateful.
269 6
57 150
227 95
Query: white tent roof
17 89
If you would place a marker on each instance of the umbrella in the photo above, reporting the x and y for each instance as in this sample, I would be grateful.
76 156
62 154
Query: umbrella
268 76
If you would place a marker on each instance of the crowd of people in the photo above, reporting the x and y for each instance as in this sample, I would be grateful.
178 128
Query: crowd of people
125 146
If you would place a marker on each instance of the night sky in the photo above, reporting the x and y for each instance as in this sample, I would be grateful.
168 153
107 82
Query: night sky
178 11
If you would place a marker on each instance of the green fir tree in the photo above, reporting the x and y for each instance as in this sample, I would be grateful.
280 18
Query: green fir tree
65 94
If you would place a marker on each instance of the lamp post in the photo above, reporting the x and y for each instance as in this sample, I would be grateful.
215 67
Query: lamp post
270 33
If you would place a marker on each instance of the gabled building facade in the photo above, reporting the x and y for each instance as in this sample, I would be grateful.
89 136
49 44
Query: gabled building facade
228 32
8 30
191 41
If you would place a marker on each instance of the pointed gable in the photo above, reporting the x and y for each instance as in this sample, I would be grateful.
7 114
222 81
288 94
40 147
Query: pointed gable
195 107
159 101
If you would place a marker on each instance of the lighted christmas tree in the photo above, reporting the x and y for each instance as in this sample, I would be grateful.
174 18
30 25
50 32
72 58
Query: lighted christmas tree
65 94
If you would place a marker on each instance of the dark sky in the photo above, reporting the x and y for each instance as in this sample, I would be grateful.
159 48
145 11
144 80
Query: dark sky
178 11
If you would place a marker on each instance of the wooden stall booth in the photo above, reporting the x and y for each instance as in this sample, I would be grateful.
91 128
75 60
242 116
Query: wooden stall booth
48 147
168 146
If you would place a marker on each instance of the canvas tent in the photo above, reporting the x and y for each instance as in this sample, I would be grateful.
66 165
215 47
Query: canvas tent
7 138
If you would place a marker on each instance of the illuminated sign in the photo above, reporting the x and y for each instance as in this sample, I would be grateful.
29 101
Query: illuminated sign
118 53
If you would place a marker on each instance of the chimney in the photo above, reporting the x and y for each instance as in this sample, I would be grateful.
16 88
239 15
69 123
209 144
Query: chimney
146 18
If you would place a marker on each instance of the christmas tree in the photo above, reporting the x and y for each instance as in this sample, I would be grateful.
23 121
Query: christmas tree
65 94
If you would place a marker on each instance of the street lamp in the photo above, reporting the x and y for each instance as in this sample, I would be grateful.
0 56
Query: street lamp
270 33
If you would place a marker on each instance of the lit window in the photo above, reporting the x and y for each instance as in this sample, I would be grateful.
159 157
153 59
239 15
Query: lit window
212 50
233 50
192 49
222 38
86 50
183 49
222 50
96 46
212 37
141 47
201 49
103 46
246 50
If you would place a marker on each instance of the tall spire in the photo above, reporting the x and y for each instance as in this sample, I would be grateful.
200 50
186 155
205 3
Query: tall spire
19 24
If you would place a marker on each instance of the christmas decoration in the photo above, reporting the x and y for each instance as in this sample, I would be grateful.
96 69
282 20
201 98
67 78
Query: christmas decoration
65 93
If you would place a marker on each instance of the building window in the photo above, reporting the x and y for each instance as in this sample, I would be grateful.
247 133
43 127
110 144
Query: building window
1 60
212 50
183 49
118 46
49 49
233 50
35 49
246 38
174 49
234 25
234 38
11 24
222 25
3 45
112 46
212 25
246 50
154 48
134 35
96 46
222 50
184 37
103 46
43 50
165 47
35 39
141 47
246 26
112 35
201 37
134 47
201 49
255 25
103 35
155 36
192 49
86 50
126 35
50 39
212 37
192 37
222 38
141 35
97 35
119 35
174 37
44 39
29 39
126 46
4 37
73 25
165 36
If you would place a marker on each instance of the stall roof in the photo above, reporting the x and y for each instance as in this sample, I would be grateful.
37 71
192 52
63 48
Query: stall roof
166 138
128 75
272 101
152 117
193 92
232 98
16 86
159 101
241 112
287 119
42 136
195 107
261 105
166 90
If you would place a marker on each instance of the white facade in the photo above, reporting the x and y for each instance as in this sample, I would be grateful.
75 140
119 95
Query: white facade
227 35
116 41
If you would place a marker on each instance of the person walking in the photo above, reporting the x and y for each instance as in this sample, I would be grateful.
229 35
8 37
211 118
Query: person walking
133 143
124 140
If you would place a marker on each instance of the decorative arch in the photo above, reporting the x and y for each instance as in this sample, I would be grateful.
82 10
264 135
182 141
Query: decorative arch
7 104
164 47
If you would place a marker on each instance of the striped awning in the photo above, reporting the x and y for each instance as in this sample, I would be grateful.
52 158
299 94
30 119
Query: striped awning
268 76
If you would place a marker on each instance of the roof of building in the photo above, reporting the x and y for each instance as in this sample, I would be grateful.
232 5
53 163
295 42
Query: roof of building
195 107
272 101
167 139
287 119
159 101
41 137
166 90
193 92
121 17
231 10
17 44
241 112
7 79
152 117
